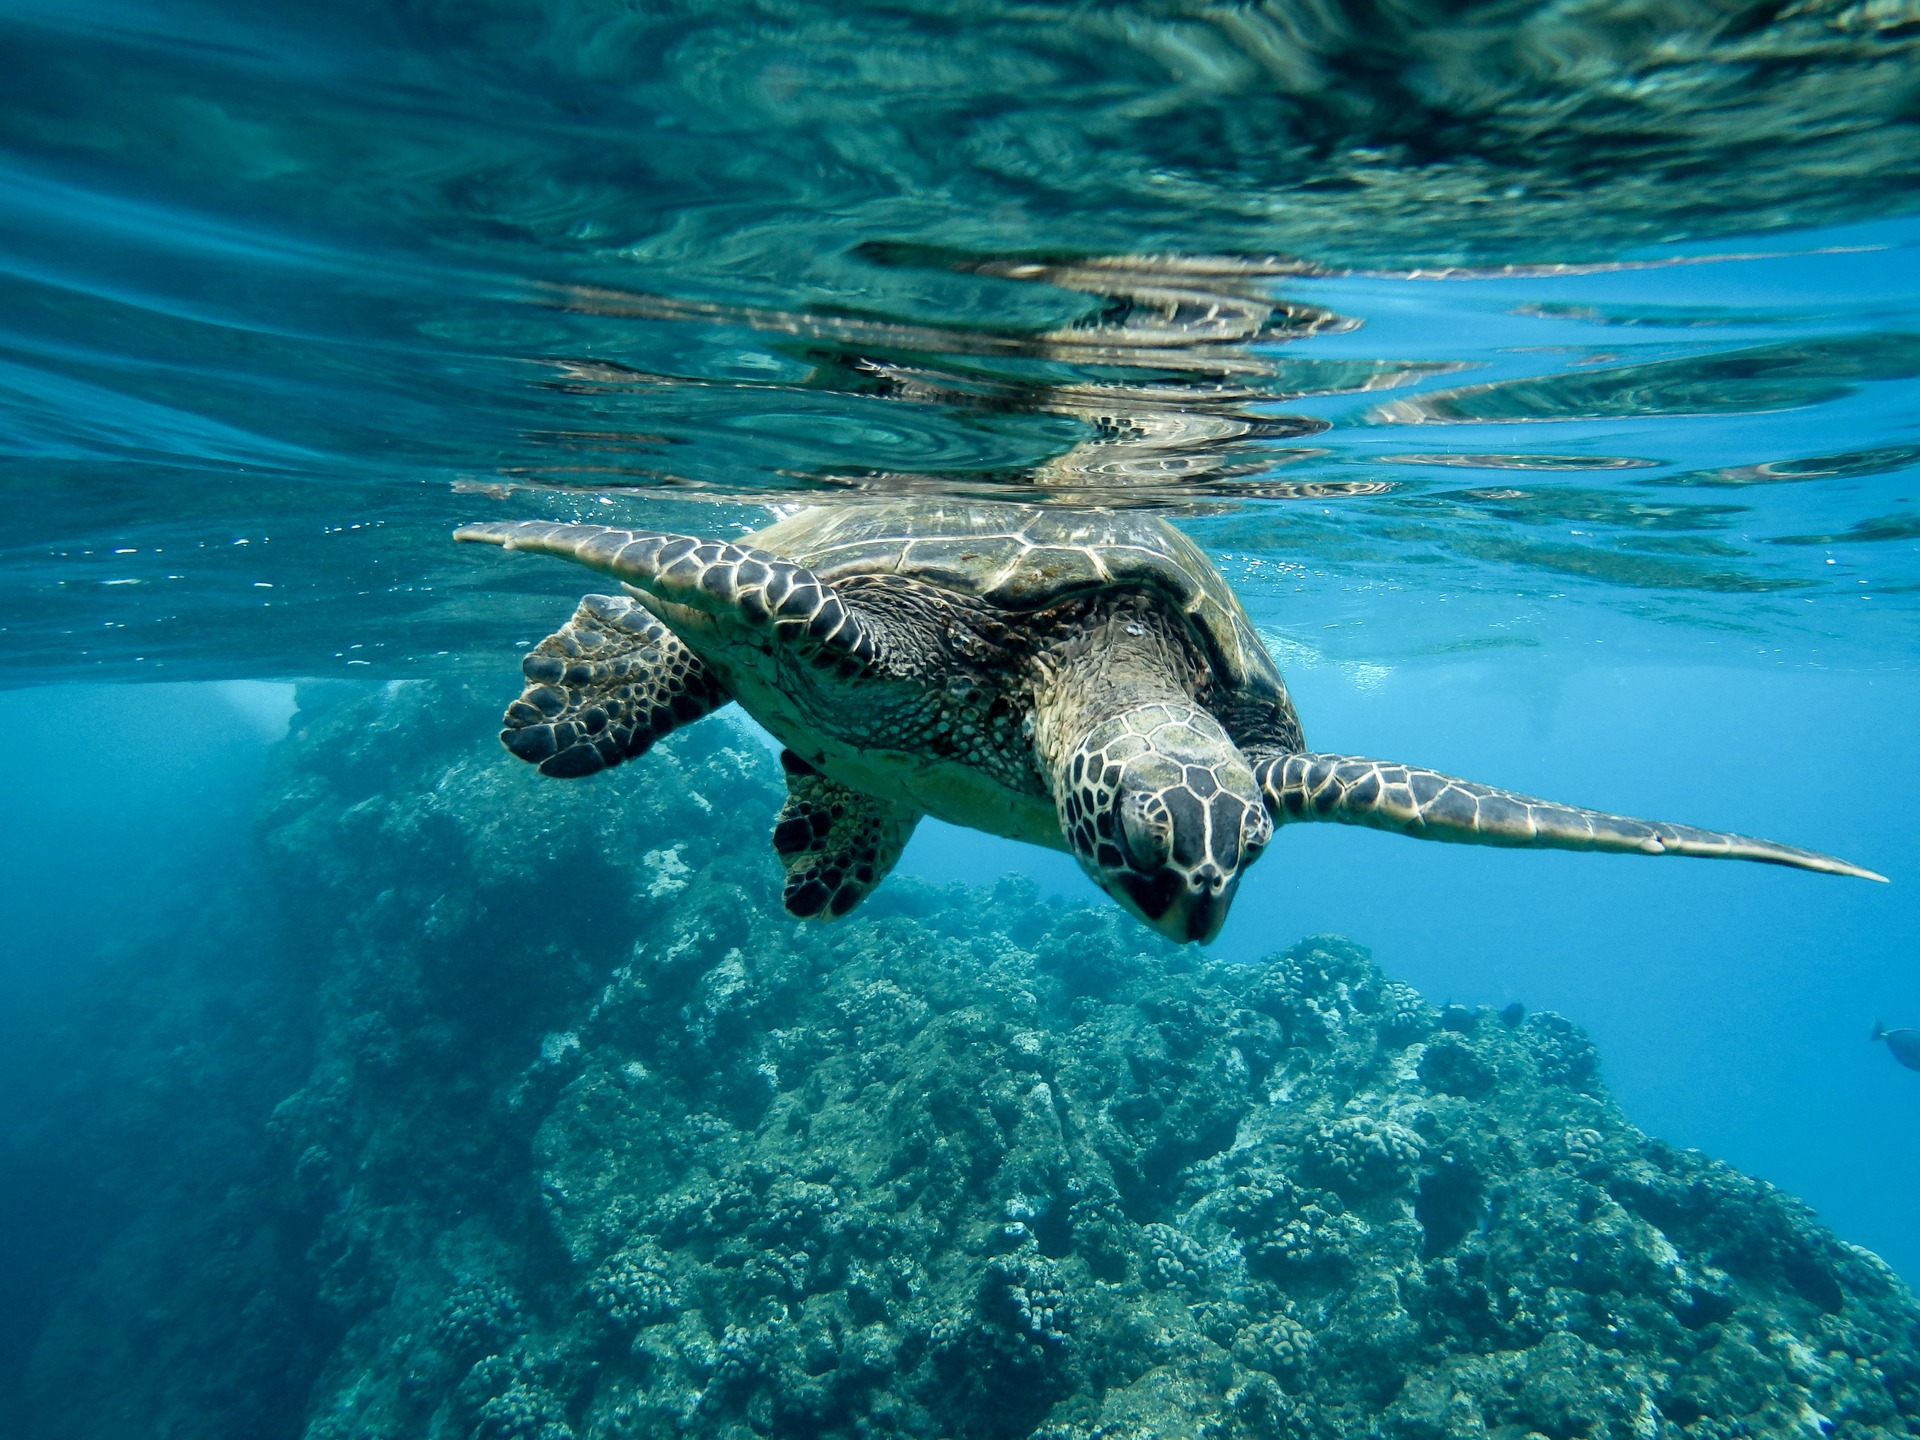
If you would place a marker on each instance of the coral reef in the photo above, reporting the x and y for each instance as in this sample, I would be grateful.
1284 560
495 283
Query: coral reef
593 1142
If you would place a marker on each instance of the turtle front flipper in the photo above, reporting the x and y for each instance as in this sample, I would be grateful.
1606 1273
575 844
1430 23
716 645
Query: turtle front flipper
1432 806
836 843
768 593
603 687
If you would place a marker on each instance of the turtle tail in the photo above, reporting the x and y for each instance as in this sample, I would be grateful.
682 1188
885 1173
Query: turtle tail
1879 1032
1432 806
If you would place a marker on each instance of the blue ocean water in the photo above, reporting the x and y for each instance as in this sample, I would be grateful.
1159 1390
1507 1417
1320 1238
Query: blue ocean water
1545 381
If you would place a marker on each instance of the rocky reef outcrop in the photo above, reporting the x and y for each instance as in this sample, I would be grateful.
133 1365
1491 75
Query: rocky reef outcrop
590 1140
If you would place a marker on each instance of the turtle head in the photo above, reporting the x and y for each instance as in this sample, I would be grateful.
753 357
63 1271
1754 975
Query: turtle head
1161 809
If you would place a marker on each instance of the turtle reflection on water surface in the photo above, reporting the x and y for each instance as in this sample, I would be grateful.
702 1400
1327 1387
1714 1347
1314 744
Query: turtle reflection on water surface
1080 679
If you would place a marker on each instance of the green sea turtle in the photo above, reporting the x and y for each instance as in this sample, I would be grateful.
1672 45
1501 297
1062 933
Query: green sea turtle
1080 679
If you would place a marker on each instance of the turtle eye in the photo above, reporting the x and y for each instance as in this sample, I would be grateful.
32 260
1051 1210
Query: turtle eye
1146 833
1255 830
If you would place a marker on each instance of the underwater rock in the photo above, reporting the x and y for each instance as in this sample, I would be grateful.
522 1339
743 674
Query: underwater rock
579 1154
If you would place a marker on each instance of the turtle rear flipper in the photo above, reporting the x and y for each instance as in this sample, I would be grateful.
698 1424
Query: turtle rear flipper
1431 806
835 842
603 687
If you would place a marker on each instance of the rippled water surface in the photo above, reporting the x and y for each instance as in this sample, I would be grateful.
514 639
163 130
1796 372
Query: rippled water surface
1545 377
1564 308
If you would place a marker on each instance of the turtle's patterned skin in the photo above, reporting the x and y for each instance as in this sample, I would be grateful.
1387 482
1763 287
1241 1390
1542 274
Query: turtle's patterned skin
834 843
603 688
1082 679
1428 804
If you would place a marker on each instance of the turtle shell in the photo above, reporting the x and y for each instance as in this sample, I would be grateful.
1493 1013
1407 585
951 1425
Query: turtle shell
1020 558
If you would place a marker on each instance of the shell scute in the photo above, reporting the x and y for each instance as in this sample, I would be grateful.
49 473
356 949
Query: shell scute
1019 558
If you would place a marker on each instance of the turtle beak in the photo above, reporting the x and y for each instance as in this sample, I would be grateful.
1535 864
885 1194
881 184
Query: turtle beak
1187 909
1206 912
1204 906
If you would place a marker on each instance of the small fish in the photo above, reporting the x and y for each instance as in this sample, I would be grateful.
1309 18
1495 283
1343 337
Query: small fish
1905 1044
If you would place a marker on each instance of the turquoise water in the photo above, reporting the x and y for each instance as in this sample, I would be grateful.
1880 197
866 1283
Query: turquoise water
1543 380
